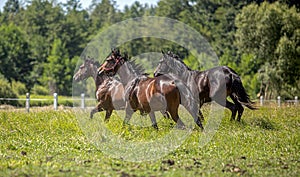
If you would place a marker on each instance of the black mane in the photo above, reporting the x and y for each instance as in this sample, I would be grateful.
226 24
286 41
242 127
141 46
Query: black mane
175 58
92 60
138 68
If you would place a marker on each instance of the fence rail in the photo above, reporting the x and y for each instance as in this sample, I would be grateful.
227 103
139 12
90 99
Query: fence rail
55 99
83 99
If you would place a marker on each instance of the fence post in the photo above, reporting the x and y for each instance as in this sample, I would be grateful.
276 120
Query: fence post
278 101
296 100
27 103
82 101
261 100
55 101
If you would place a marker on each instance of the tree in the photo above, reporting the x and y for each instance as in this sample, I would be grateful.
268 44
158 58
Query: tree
57 70
15 61
76 28
270 32
10 10
103 13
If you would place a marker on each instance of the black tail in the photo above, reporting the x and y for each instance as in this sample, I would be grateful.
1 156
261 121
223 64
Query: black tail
239 92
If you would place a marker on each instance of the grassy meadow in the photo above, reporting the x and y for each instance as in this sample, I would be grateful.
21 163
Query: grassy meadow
51 143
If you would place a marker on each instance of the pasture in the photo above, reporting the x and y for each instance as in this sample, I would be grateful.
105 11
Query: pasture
50 143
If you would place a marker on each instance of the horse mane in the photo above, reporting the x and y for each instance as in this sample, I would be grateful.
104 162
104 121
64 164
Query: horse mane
93 61
177 62
138 68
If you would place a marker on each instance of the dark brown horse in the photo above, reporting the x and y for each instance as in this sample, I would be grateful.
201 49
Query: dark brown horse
214 84
109 91
149 94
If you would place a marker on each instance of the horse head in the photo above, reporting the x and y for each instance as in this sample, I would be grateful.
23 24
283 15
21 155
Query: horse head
112 63
86 70
164 66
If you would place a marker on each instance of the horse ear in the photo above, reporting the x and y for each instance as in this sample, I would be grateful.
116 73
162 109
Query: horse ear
126 56
162 51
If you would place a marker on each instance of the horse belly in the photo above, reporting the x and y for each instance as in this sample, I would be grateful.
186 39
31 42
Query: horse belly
158 102
155 98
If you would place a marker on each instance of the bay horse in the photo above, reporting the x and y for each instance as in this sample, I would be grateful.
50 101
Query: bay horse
109 91
211 84
148 94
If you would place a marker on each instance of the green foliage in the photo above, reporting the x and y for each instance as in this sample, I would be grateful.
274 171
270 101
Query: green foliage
41 40
15 61
268 32
19 88
39 90
7 92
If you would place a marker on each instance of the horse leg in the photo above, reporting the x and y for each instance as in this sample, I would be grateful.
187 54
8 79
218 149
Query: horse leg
200 115
239 108
165 114
128 115
240 112
153 120
107 115
192 109
229 106
98 108
175 117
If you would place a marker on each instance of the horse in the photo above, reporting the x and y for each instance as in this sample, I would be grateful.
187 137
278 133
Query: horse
109 91
212 84
148 94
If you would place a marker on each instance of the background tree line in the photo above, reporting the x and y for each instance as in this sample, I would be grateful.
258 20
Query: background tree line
41 40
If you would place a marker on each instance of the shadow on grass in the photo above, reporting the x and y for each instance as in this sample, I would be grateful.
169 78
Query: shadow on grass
260 122
263 123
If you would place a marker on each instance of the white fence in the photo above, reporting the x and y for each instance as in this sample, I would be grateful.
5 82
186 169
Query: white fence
27 100
278 101
82 99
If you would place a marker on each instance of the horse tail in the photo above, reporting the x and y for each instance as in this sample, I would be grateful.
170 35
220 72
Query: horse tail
239 92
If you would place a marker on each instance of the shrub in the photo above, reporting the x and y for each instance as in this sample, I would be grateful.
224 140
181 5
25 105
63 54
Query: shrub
19 88
39 90
7 92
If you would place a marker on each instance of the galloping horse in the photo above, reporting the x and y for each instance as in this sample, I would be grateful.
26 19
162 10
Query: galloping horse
212 84
109 91
148 94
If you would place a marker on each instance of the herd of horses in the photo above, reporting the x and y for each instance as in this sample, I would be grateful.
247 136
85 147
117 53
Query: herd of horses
173 84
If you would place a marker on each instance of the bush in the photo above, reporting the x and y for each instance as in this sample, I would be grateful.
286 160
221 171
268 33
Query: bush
39 90
19 88
7 92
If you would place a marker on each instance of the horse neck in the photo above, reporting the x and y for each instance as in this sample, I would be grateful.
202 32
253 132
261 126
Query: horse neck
98 79
184 75
93 72
127 73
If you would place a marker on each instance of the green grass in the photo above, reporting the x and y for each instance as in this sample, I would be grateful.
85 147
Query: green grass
51 143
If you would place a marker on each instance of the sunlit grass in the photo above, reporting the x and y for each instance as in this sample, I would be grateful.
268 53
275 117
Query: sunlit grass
52 143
